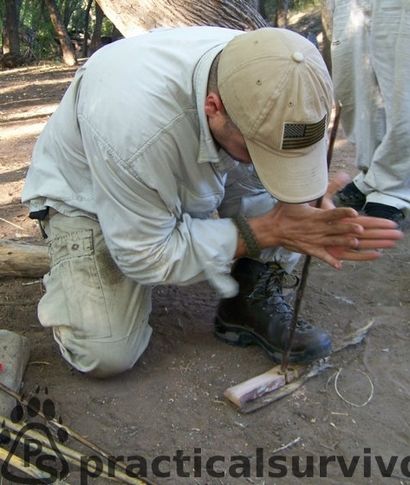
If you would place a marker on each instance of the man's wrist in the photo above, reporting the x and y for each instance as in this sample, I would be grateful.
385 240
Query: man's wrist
247 236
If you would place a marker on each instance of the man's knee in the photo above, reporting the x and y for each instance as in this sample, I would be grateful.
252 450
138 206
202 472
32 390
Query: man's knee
103 358
109 365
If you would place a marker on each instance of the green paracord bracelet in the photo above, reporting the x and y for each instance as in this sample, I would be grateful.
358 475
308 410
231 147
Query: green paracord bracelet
245 231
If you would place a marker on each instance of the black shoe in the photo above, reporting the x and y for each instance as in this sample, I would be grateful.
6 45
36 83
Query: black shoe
350 196
373 209
260 315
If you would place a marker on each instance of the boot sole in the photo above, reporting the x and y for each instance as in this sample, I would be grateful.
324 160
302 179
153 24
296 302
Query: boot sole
243 337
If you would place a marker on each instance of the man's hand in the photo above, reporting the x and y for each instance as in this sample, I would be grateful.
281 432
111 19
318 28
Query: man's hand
330 234
305 229
378 233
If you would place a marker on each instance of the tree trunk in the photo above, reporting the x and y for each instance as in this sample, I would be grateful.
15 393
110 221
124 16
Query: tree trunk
86 27
96 38
133 17
256 4
68 7
65 9
11 42
262 8
67 50
326 18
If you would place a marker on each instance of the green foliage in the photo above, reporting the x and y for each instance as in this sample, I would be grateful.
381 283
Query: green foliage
107 27
270 8
37 35
2 12
305 4
36 30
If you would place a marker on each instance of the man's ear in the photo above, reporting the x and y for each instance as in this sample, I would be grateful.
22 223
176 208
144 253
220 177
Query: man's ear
214 105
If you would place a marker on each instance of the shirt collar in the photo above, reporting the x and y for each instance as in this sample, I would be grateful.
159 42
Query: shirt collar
208 151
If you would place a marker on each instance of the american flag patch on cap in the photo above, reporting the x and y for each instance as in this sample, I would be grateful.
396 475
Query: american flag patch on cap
301 135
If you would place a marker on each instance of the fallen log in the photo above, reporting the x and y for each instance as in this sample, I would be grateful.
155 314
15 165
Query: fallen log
20 259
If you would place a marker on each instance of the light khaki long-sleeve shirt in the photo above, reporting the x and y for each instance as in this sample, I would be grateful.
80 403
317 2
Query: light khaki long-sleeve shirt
130 146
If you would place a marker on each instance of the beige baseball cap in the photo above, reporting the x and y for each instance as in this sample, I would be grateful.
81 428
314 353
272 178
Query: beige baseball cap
276 88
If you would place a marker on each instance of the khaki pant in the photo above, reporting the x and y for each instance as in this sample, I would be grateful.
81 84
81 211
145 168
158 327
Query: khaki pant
99 317
371 66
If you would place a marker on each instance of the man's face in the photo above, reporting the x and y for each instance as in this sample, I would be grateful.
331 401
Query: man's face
231 140
225 133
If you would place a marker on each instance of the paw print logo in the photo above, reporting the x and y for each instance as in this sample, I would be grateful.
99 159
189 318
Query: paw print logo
35 442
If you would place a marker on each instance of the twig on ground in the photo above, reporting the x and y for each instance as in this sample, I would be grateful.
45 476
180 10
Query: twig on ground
71 433
70 455
353 338
32 283
288 445
12 224
28 469
327 447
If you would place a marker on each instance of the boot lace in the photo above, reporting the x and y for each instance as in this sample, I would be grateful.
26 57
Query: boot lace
269 290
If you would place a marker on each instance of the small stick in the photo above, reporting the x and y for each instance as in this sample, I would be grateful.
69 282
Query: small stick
32 283
70 431
12 224
284 447
353 338
305 271
27 468
72 456
298 300
47 451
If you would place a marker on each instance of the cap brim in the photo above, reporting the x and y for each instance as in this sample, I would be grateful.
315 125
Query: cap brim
292 178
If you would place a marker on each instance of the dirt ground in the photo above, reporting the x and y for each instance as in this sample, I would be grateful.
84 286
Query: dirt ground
173 398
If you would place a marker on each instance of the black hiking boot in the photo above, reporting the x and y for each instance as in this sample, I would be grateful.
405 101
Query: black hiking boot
260 315
350 196
374 209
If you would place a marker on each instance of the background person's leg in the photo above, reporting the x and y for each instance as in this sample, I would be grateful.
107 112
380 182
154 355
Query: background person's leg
99 317
388 176
355 83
